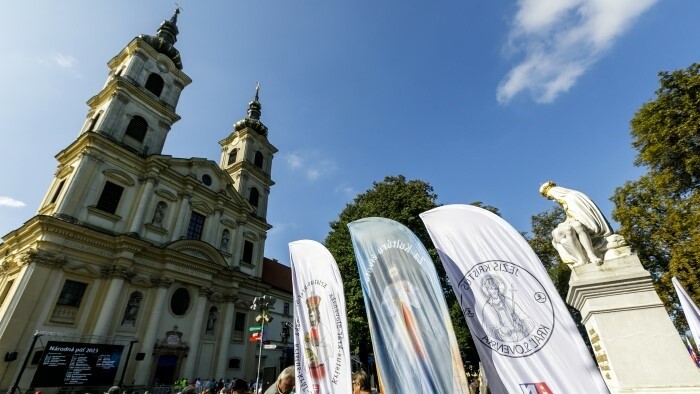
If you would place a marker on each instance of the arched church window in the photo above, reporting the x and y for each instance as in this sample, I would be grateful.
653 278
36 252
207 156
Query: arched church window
132 309
206 179
254 197
154 84
137 128
232 157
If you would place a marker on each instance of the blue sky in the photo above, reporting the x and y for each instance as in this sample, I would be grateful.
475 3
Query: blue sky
484 100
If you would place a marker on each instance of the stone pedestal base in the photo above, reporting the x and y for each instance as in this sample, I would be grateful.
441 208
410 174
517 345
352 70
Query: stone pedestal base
637 347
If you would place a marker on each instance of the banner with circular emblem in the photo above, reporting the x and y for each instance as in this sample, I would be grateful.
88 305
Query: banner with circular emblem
525 336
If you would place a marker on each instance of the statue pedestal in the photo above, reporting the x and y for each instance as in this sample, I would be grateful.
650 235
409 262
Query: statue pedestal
637 347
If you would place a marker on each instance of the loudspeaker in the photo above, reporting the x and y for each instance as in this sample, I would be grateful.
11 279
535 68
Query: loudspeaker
10 356
140 356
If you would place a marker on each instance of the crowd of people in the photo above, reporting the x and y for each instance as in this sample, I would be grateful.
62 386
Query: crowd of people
284 384
213 386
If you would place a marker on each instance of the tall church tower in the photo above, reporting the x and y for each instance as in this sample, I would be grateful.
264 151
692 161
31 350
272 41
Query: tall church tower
246 154
129 118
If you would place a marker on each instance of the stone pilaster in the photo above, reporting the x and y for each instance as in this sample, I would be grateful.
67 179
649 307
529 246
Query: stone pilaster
149 339
196 331
145 196
117 275
181 216
224 339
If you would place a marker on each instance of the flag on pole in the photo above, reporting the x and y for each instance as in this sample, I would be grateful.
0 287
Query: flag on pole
526 339
256 336
691 351
415 348
690 310
321 345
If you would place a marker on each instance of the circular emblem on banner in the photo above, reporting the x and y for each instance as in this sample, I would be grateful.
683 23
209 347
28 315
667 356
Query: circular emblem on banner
508 309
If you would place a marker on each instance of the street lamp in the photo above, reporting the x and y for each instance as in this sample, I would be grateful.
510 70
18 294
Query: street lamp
263 304
285 334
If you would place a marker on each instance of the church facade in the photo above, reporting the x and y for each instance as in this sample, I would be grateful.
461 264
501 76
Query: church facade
130 246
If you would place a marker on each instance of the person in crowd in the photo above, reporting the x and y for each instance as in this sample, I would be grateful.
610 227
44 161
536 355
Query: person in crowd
189 390
284 383
360 383
239 386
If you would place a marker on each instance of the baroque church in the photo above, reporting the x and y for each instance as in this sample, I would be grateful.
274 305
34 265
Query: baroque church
134 247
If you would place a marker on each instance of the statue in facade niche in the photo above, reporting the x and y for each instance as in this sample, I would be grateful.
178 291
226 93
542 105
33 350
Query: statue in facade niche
585 236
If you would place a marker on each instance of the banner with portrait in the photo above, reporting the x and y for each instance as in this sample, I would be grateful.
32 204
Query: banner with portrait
321 346
525 336
414 344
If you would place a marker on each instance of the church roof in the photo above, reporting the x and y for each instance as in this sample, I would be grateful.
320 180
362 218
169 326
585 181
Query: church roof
276 274
252 121
165 39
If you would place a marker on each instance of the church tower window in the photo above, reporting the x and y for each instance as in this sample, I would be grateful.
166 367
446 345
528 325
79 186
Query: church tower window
254 197
109 199
258 161
58 191
247 252
196 226
154 84
93 122
137 128
232 156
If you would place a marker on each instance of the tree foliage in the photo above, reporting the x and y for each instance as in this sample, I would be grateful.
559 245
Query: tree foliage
401 200
659 213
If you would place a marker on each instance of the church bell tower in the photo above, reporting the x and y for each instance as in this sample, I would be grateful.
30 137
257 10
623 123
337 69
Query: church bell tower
128 122
246 155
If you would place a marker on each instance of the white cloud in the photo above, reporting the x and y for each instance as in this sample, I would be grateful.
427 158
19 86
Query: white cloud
294 161
346 190
58 59
313 173
312 164
64 61
560 40
11 202
281 227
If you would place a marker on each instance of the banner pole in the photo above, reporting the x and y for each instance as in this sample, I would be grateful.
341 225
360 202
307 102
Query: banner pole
24 364
126 363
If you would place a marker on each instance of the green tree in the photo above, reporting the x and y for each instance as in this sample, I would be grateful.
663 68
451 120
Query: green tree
660 212
401 200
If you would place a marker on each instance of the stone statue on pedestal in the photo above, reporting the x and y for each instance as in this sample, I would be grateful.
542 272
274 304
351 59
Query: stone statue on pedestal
585 236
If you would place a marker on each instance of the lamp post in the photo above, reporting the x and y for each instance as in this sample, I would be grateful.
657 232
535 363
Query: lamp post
263 304
285 334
